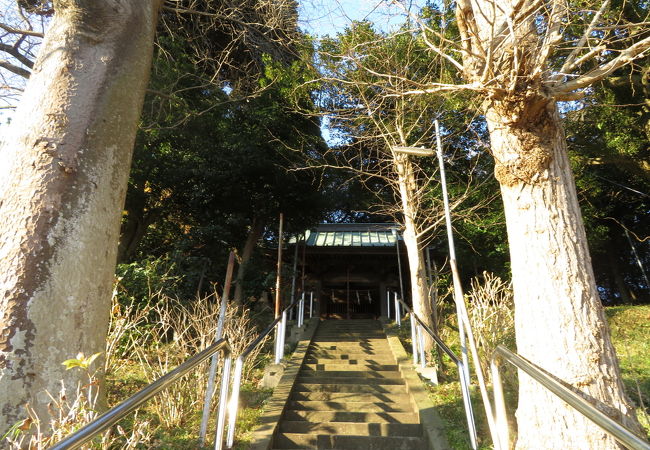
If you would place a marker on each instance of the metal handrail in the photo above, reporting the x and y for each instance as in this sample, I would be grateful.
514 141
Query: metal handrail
280 322
417 340
113 415
616 429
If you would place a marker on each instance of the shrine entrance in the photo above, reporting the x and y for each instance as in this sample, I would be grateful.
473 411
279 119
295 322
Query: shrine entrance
349 267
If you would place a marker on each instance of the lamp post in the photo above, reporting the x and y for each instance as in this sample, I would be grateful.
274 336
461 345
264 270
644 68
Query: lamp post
461 310
458 290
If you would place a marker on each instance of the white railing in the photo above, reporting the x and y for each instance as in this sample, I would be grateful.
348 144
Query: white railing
280 325
621 433
417 342
113 415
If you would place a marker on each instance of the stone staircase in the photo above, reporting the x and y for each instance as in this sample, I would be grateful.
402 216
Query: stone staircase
349 393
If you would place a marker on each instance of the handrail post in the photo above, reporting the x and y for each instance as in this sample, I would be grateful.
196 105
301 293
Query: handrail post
233 404
388 303
311 304
499 408
414 340
301 311
283 333
467 400
203 431
398 313
278 331
423 360
223 402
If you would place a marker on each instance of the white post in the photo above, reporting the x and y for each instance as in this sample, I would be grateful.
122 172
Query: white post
311 304
278 332
283 333
221 416
214 361
458 290
461 310
423 360
233 405
469 414
388 303
398 313
414 339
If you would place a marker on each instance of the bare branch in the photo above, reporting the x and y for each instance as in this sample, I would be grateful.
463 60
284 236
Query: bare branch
13 51
570 62
13 30
626 56
14 69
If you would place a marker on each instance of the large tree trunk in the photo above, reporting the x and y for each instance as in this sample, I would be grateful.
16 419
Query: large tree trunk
417 270
560 323
63 180
254 235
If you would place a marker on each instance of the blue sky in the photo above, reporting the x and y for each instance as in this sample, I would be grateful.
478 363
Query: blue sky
322 17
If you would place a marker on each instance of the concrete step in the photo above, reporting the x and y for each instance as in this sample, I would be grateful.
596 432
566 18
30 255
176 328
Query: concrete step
347 366
357 374
352 428
326 441
360 388
325 379
350 336
348 406
351 397
351 416
333 345
349 350
380 361
349 354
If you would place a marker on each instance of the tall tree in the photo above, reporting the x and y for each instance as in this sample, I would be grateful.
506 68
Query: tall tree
362 70
63 181
67 158
521 58
511 53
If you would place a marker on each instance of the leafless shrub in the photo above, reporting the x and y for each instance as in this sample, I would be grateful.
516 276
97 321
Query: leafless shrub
491 313
182 330
68 413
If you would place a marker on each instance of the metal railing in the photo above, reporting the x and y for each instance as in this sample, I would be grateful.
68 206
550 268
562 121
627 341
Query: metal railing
621 433
417 342
113 415
280 323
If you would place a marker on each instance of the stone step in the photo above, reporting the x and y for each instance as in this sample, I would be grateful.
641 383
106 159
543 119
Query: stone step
351 416
351 396
352 428
343 336
326 441
375 351
348 355
333 345
357 374
324 379
330 406
360 388
347 366
353 361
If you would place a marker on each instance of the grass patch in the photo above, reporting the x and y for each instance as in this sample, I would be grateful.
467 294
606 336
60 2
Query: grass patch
630 327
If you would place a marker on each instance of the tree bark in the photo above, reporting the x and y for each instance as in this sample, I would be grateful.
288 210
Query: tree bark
254 235
417 269
560 324
63 179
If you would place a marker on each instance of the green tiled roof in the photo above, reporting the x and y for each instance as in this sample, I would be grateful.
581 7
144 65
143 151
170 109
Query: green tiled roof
352 235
